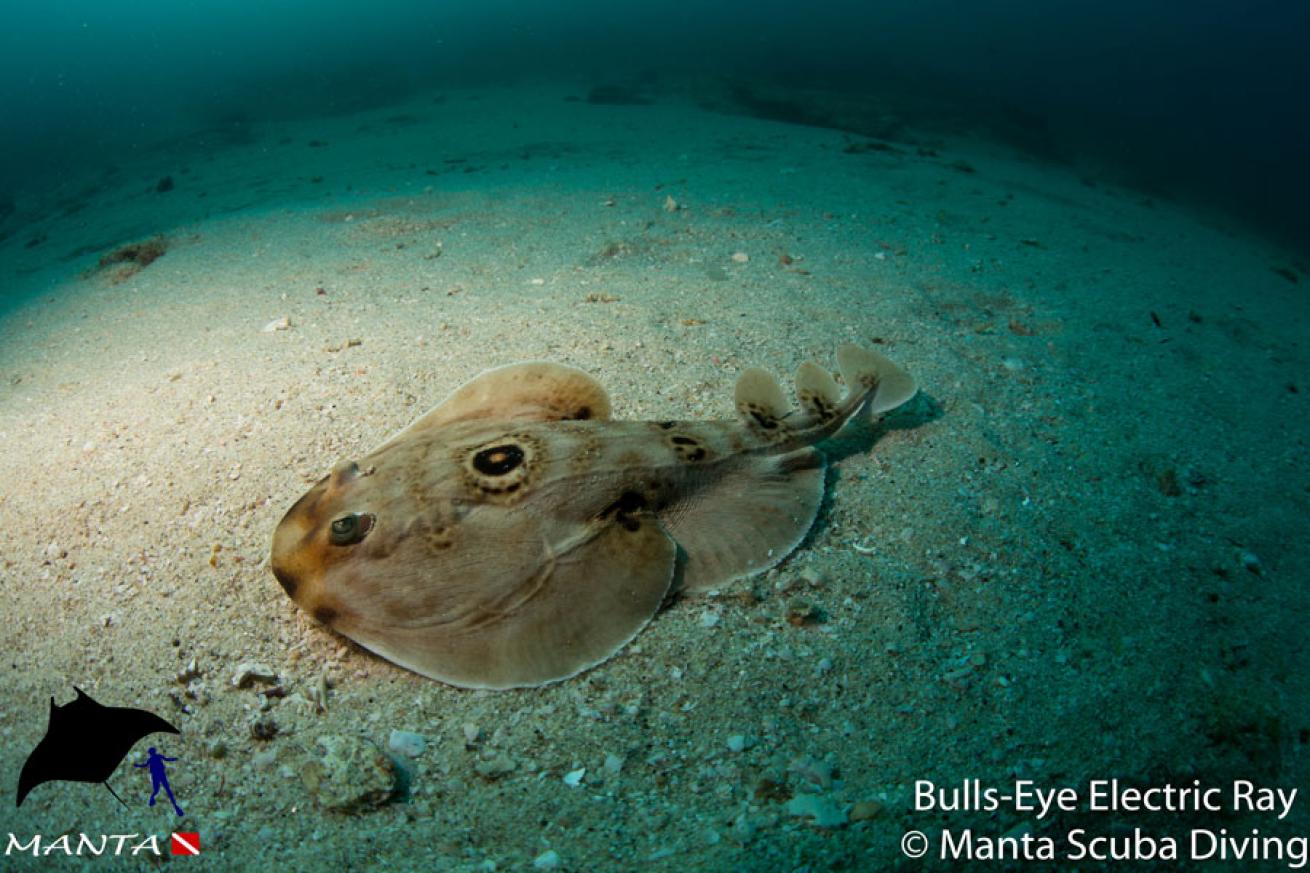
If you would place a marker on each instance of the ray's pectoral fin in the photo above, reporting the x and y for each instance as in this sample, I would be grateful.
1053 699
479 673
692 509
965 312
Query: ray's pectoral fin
578 609
749 519
535 391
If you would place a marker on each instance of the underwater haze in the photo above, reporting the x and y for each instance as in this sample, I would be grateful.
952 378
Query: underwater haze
773 436
1189 99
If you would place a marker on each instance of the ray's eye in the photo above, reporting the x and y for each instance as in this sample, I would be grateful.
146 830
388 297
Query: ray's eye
350 529
498 460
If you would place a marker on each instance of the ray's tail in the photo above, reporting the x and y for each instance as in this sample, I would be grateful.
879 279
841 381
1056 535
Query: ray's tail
872 382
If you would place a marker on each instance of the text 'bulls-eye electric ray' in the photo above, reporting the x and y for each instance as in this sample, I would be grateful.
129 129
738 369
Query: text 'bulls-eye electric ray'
516 535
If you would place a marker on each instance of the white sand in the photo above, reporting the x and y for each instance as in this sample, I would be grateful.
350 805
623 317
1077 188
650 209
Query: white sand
1007 587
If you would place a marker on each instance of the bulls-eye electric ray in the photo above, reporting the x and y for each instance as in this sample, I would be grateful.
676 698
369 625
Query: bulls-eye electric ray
515 535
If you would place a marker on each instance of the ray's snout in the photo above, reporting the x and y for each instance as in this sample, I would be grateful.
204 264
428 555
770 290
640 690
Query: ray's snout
304 538
292 557
317 533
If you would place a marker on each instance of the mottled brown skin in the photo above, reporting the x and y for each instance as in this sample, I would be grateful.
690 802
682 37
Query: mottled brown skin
515 535
427 494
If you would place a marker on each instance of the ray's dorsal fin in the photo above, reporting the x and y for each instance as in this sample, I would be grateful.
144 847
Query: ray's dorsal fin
759 397
532 391
874 385
816 390
864 368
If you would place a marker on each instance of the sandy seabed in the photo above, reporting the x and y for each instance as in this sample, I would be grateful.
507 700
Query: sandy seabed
1081 553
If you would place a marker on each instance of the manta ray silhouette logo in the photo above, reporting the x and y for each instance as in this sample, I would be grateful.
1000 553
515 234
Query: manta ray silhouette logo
85 741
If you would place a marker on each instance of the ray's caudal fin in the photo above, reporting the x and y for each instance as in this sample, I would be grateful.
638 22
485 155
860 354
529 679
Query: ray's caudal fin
756 511
872 382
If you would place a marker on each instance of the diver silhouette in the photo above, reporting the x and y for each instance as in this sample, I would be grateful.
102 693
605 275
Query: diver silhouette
158 777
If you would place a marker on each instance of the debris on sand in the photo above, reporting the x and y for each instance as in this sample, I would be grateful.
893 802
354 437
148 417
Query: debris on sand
142 253
133 258
352 776
264 729
250 672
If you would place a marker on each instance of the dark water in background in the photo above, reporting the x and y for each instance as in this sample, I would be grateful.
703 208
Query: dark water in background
1202 100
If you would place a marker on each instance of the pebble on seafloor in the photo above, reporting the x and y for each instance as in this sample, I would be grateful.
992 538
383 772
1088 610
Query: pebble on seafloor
547 860
406 743
264 729
743 829
495 767
739 743
352 775
189 672
801 613
283 323
823 812
249 672
865 810
812 577
812 771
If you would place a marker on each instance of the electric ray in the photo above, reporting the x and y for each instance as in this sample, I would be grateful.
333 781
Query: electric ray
516 535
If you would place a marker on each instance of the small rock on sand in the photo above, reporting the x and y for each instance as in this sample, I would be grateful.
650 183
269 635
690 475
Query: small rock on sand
352 775
822 811
249 672
407 743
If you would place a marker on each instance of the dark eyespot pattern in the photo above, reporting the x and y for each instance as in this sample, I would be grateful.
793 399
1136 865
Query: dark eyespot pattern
625 510
350 529
817 405
503 469
498 460
688 448
762 422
